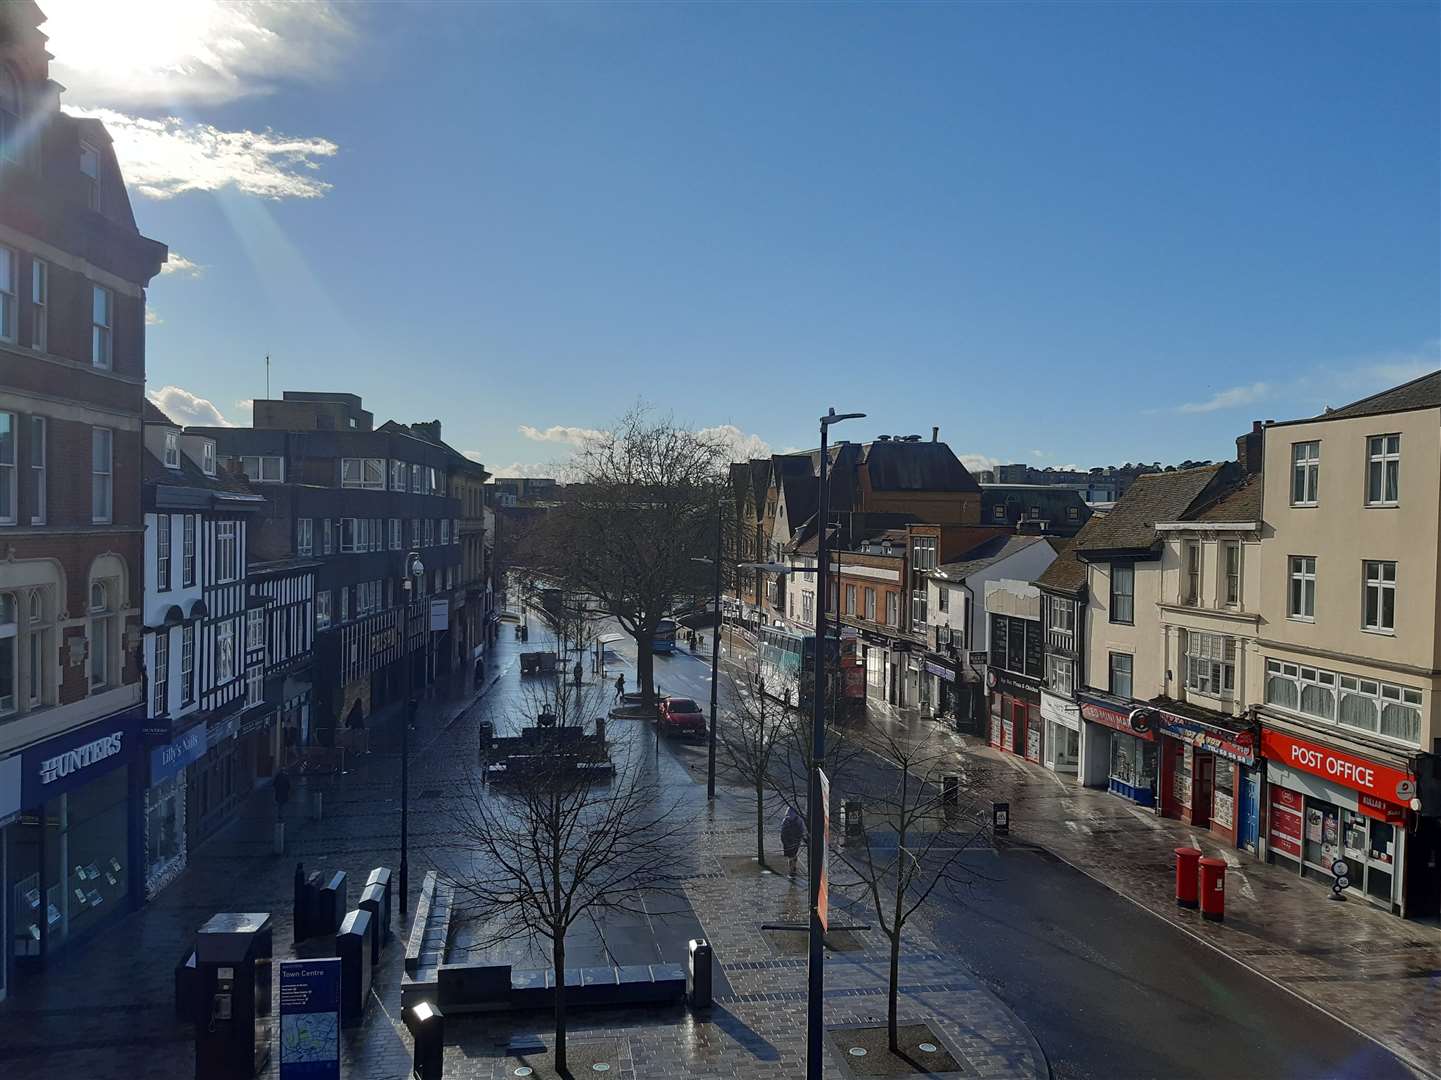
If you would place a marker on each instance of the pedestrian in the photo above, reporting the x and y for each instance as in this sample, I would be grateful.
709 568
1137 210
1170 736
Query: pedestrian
578 671
281 788
793 832
620 686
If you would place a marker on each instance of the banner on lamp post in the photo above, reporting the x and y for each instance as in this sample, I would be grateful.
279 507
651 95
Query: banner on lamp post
823 897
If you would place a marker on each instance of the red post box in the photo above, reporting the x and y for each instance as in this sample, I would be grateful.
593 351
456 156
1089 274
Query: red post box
1213 889
1186 858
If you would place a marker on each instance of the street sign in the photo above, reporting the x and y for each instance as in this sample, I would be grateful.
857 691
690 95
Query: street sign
823 900
310 1019
440 614
1001 818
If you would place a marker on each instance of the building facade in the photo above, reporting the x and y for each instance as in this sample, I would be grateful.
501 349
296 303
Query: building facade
1014 668
73 274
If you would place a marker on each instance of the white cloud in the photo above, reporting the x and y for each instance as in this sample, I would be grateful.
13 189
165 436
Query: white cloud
738 445
151 318
559 433
1231 398
179 264
977 462
186 408
163 158
164 53
521 468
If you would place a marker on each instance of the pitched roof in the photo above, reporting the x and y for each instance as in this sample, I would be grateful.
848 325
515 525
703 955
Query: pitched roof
1067 573
1241 502
190 475
153 414
900 465
1422 393
1164 496
987 553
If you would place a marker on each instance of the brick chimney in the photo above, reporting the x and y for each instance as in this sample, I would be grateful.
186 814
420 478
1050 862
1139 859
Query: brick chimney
427 429
1248 449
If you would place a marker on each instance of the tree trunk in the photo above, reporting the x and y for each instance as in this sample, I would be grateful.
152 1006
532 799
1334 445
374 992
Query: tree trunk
645 667
761 825
893 992
558 960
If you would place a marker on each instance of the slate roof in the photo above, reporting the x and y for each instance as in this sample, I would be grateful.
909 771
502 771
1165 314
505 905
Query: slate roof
1422 393
1239 503
190 475
1164 496
915 466
152 414
1067 573
987 553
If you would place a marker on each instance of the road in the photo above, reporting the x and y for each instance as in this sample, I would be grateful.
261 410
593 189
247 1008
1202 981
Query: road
1106 988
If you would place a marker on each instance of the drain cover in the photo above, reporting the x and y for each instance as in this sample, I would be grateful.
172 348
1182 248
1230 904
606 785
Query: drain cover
600 1066
929 1048
858 1051
524 1070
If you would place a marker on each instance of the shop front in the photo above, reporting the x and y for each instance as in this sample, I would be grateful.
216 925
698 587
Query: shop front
73 852
1016 723
1116 754
943 677
216 782
166 849
1325 803
1062 719
1203 763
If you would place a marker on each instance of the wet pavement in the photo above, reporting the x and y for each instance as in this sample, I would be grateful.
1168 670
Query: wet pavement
105 1011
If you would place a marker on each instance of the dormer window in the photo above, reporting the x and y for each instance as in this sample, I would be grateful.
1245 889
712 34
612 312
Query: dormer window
207 457
172 450
90 170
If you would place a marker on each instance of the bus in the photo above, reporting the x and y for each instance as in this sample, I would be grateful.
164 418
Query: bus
663 640
786 660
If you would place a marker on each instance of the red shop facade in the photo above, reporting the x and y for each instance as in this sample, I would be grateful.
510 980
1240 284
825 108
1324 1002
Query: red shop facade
1016 725
1325 802
1208 774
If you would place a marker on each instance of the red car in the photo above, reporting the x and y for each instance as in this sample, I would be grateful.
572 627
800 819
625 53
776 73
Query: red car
681 716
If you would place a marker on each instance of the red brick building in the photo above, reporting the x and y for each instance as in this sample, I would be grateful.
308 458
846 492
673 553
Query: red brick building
73 273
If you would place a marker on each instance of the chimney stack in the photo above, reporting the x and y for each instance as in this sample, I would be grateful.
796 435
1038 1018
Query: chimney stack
1248 449
935 433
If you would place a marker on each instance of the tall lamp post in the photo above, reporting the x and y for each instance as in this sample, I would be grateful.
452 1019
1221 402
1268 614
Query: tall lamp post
815 1004
414 569
714 648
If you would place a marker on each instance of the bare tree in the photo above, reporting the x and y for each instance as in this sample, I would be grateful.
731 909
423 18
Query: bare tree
913 842
751 737
561 844
640 510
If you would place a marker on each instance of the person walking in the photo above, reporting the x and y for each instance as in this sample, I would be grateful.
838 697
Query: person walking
280 787
620 686
793 833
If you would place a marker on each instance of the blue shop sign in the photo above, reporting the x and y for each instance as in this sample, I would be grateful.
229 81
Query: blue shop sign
70 761
167 760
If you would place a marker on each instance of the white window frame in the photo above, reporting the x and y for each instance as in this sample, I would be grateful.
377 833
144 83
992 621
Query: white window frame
893 609
1375 580
327 536
257 474
1301 569
187 664
1210 664
1119 568
172 450
39 460
224 648
207 456
254 686
416 475
163 567
1231 573
429 526
445 532
415 532
1191 573
227 551
1306 472
304 535
1130 673
102 327
100 629
1061 674
39 305
1385 463
102 475
90 169
187 551
397 476
365 473
1343 686
160 673
1061 616
322 609
9 468
255 629
395 534
9 295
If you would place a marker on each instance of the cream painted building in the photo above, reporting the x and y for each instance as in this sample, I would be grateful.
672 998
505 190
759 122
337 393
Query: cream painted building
1348 649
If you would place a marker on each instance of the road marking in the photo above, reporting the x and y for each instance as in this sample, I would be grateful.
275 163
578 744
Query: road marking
1233 864
1148 819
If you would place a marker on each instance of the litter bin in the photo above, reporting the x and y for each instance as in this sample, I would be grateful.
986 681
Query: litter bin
426 1025
1186 874
700 974
1213 889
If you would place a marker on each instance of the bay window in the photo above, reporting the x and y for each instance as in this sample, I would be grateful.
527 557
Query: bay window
1210 664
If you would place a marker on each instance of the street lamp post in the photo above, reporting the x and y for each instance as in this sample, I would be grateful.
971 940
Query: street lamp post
414 568
714 648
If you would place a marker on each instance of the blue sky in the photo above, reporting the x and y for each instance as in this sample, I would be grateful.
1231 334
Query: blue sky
1064 233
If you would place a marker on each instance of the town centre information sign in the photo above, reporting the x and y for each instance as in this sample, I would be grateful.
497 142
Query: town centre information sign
310 1019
